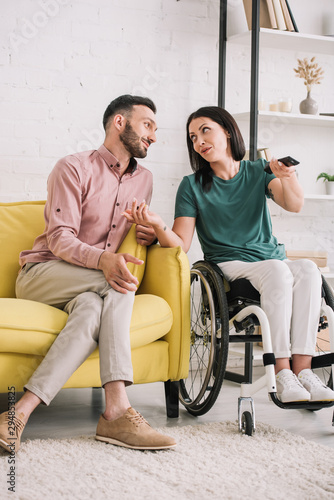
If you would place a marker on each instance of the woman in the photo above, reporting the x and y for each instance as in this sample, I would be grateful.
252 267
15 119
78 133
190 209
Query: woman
225 199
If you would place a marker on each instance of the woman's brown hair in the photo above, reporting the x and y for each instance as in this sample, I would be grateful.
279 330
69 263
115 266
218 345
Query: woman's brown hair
201 167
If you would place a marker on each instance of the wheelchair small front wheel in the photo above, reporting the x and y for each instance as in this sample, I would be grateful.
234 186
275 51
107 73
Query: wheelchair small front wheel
209 340
247 426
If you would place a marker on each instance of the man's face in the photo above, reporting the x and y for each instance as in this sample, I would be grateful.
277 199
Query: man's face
139 131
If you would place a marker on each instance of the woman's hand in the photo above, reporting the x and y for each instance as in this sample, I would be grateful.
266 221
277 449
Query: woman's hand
280 170
181 234
285 190
142 216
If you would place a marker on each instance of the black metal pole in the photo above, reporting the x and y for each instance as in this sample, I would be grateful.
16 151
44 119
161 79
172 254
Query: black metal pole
222 53
254 94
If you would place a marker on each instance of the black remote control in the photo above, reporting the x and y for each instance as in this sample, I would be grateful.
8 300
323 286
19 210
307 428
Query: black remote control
287 160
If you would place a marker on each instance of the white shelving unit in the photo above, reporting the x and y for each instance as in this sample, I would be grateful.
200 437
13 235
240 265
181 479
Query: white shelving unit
290 118
291 41
286 40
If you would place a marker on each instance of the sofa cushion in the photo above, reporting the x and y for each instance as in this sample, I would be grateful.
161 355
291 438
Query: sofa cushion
29 327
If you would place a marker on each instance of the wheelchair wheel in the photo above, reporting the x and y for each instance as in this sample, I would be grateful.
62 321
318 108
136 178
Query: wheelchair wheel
323 345
247 423
209 340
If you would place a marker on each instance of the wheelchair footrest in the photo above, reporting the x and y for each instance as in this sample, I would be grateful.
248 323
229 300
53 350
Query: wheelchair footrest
300 405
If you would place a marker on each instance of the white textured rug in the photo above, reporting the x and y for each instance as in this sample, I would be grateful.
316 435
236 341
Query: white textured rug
211 461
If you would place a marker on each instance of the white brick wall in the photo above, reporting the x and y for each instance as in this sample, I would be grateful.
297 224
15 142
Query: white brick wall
62 61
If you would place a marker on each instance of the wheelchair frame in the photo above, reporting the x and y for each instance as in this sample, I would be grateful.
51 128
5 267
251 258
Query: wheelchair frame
219 307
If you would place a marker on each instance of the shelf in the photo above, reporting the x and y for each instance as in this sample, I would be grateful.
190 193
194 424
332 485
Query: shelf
288 40
318 197
298 119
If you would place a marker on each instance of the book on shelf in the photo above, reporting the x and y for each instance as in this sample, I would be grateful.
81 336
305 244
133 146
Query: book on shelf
274 14
267 18
291 17
271 13
286 15
279 15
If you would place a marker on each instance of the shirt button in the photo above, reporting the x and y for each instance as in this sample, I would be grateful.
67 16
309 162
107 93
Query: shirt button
117 204
114 226
108 245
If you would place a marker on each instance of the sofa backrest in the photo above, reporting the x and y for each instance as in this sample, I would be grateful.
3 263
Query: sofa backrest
21 223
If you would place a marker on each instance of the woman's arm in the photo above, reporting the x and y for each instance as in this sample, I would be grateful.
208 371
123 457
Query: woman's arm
180 235
285 190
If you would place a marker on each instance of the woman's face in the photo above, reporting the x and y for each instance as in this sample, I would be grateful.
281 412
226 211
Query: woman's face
209 139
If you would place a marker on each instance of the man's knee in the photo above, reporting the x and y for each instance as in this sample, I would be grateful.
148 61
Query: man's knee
85 301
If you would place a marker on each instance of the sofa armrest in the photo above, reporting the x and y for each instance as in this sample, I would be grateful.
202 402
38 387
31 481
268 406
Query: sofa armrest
167 274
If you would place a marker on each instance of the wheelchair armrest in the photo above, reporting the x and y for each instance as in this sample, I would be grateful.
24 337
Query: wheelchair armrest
167 275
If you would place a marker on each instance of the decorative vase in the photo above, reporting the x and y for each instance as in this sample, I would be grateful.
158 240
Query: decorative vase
308 106
330 187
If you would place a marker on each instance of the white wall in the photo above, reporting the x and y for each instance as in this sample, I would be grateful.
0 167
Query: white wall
62 61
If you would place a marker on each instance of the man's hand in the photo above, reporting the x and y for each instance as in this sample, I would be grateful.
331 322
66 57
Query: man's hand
116 272
145 235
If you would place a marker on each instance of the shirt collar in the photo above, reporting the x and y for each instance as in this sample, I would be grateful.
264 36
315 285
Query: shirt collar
112 161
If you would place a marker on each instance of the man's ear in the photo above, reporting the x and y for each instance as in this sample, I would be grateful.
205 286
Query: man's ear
119 121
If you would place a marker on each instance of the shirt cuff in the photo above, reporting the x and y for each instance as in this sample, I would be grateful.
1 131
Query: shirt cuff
93 258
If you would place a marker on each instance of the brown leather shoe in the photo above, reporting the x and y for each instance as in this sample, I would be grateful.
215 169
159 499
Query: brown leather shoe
132 431
11 428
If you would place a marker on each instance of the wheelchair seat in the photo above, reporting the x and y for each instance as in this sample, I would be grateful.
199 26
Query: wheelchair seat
242 289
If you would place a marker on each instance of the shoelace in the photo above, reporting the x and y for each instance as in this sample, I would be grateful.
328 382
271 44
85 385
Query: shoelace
313 380
16 423
137 419
290 380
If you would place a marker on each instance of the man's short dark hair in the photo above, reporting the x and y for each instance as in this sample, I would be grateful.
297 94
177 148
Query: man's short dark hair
124 104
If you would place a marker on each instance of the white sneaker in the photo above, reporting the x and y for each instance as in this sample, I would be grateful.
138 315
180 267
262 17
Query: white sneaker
289 388
318 390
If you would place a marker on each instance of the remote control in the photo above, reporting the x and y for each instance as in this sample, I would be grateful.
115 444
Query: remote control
287 160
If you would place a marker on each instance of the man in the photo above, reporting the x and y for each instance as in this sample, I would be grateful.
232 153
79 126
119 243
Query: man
73 266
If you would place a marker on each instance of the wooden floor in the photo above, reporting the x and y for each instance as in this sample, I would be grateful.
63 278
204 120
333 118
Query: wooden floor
75 412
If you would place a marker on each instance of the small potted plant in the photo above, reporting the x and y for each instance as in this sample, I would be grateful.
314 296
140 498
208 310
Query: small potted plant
329 180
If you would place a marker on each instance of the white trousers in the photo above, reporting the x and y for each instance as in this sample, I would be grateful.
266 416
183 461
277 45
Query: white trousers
291 298
98 315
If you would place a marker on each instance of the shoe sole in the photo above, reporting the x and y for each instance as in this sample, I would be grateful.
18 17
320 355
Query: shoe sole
322 400
296 401
134 447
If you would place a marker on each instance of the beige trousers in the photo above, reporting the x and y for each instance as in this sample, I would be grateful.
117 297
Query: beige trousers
291 298
98 315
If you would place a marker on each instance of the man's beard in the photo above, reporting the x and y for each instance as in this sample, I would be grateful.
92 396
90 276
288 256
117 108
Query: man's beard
132 142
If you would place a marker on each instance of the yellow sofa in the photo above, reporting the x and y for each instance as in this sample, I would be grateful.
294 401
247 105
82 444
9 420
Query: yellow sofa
160 324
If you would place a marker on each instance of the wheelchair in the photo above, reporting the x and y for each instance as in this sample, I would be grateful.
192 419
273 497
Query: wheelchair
224 313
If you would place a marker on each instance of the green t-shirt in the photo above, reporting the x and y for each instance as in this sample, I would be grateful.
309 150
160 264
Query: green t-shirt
232 219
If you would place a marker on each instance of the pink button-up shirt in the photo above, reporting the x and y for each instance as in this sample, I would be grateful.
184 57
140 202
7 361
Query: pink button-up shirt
86 197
